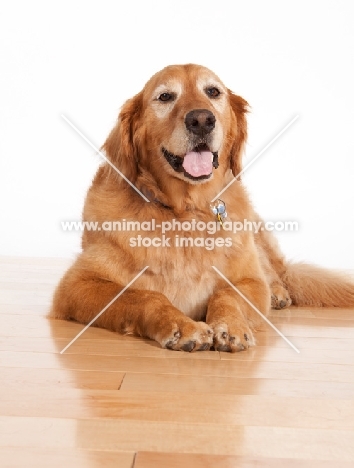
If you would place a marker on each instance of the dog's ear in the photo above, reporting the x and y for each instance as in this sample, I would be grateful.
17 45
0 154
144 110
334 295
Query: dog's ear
121 145
239 134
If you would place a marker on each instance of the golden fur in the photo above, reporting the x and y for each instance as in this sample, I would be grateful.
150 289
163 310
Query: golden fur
180 301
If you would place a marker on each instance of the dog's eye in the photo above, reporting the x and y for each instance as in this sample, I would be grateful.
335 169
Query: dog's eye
213 92
164 97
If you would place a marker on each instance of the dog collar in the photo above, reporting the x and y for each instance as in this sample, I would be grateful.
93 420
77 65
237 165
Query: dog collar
151 197
218 208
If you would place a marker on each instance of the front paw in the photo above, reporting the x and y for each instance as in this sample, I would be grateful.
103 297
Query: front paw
188 336
232 337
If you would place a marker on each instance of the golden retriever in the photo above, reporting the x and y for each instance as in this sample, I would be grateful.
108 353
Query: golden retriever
180 142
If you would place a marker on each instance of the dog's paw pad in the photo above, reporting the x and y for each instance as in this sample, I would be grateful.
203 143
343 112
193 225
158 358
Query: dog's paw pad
189 346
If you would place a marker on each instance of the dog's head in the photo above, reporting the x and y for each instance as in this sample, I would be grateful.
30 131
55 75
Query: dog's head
185 123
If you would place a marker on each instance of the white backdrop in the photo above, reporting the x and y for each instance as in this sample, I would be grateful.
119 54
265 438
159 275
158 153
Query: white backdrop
84 59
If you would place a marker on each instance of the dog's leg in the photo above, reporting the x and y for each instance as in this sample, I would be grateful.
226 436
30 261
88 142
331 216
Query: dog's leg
81 295
280 297
232 319
274 266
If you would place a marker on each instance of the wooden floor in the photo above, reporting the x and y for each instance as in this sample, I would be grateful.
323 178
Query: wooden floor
113 401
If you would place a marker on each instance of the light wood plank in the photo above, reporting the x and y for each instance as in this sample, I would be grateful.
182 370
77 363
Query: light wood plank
315 322
236 386
300 335
31 325
125 436
16 297
24 309
325 356
54 379
201 367
240 410
30 322
42 286
190 460
322 329
131 346
313 312
120 347
59 458
304 342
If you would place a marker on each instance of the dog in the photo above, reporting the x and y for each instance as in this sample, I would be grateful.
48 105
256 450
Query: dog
178 143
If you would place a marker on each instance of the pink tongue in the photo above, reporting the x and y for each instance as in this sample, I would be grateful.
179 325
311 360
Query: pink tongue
198 164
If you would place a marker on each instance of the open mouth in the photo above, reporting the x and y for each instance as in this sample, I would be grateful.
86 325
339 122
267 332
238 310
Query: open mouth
196 165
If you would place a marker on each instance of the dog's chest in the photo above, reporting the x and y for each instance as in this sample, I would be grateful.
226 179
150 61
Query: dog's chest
185 277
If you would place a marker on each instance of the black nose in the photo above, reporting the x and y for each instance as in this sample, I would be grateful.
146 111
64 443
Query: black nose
200 121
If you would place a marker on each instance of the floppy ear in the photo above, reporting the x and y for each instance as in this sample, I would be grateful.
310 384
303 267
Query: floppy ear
239 108
121 144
